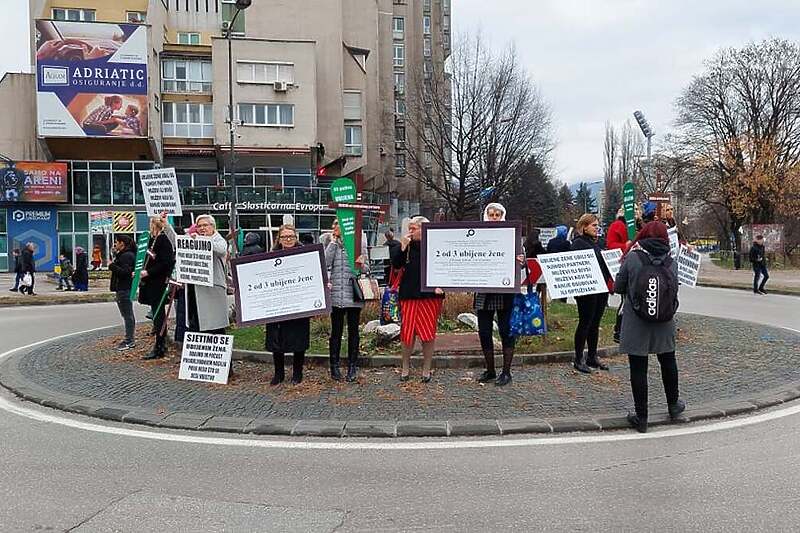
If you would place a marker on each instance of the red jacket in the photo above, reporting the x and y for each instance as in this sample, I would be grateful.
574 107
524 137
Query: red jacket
617 236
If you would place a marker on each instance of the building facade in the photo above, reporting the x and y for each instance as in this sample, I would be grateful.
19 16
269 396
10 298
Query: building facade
318 92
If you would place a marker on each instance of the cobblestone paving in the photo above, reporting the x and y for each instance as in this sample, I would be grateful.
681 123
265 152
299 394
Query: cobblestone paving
718 359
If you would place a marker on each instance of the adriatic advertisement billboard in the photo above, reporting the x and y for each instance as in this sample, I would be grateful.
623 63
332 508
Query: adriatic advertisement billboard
91 79
34 181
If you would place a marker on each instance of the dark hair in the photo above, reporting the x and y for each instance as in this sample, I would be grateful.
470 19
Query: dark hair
127 241
759 237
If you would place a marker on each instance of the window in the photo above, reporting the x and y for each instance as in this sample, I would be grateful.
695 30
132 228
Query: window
100 187
400 164
426 47
427 69
426 5
266 114
188 120
399 83
400 134
398 27
188 38
426 24
400 106
399 55
352 141
446 23
256 72
228 12
135 17
81 15
352 105
445 5
186 76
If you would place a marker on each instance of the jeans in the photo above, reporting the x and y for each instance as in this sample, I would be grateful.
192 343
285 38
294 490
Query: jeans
486 328
125 307
17 280
759 269
62 281
669 376
590 313
337 328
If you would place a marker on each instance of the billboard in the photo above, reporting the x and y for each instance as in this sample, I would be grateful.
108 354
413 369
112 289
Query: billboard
91 79
36 225
33 181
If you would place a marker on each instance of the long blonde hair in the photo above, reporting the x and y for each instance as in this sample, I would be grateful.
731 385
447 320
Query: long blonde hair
585 220
156 225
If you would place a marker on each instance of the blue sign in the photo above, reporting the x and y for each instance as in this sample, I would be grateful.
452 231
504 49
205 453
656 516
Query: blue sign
36 225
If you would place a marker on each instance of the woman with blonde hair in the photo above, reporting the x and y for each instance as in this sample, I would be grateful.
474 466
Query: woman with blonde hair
158 265
592 306
419 311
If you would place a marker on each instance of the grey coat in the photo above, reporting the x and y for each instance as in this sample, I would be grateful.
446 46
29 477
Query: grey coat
340 274
637 336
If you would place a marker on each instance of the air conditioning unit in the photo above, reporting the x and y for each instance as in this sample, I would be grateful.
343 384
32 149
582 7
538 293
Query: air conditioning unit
280 86
225 25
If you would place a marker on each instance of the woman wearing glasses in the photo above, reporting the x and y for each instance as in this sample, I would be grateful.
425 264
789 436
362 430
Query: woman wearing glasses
289 335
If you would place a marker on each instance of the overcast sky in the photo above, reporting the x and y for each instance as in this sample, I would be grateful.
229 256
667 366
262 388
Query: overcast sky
594 60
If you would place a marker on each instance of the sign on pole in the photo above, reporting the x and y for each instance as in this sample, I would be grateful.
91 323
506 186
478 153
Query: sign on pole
141 254
206 357
194 260
613 259
688 267
629 206
574 273
343 190
161 194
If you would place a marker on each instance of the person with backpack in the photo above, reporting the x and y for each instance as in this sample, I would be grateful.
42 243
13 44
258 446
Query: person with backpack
648 279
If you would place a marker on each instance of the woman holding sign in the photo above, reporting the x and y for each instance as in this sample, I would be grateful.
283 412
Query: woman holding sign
157 268
289 335
419 311
592 306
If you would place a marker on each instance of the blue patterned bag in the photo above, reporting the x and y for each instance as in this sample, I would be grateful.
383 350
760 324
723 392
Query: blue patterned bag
527 316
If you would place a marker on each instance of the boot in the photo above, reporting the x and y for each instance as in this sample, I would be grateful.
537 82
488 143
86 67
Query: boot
637 422
594 362
277 360
297 367
489 374
158 351
580 364
352 372
336 374
505 376
676 408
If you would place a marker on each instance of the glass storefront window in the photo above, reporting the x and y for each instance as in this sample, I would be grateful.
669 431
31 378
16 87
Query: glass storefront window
307 196
250 194
82 240
142 222
252 222
3 228
81 221
65 246
100 187
184 179
306 221
205 179
65 222
195 196
80 187
326 221
217 194
324 196
269 180
285 196
294 180
123 188
138 194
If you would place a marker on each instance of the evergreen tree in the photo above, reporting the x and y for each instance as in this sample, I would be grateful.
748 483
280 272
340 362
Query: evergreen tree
566 205
533 198
583 199
613 201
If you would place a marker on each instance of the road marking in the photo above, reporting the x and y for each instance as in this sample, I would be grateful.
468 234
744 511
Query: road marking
449 444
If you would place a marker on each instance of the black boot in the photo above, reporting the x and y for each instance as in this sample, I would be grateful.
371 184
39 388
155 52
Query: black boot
159 349
580 364
594 362
505 376
489 374
352 372
277 360
637 422
297 367
676 408
336 374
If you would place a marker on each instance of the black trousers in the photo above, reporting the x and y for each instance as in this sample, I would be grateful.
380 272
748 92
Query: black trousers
353 315
158 328
759 270
669 376
298 359
590 313
486 328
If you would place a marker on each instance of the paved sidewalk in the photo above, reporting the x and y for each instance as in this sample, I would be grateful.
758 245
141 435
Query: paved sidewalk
727 367
46 293
780 281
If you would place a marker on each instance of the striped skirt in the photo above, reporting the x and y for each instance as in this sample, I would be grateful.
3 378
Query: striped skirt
419 318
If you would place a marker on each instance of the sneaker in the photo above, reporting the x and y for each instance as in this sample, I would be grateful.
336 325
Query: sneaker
13 289
123 346
762 291
59 289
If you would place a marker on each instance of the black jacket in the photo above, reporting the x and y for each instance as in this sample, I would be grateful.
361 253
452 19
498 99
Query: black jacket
122 271
159 263
27 263
411 261
288 336
558 244
393 245
582 242
17 264
757 254
81 274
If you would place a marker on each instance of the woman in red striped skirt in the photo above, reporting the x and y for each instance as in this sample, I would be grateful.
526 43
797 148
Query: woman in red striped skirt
419 311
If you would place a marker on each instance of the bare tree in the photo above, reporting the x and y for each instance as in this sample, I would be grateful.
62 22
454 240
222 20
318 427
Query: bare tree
477 126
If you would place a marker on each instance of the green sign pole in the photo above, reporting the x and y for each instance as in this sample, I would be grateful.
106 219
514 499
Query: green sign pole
629 206
343 190
141 253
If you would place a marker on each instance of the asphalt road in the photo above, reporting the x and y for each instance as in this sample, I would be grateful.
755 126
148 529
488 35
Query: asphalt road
85 475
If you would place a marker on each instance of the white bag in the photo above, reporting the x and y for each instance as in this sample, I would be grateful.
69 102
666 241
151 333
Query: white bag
27 280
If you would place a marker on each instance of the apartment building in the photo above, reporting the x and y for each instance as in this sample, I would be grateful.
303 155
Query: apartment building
319 90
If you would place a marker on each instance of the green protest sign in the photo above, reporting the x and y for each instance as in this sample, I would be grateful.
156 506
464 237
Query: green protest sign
141 254
629 206
343 190
240 240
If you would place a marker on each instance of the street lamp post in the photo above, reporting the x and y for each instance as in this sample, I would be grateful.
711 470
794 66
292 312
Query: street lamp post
233 222
648 134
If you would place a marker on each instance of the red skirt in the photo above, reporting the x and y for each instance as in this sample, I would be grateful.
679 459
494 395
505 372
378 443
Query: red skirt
419 318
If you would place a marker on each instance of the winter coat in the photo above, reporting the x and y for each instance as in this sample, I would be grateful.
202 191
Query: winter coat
252 245
617 236
639 337
411 261
159 268
393 245
66 269
17 264
122 268
340 274
288 336
28 264
558 244
757 252
81 275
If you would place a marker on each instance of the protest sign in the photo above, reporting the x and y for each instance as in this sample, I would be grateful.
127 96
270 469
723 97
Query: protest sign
161 194
688 266
471 256
194 260
674 243
534 272
141 254
629 207
343 190
281 285
612 259
100 221
545 234
206 357
574 273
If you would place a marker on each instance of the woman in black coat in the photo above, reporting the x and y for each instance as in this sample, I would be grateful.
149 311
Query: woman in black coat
81 275
28 266
289 335
158 265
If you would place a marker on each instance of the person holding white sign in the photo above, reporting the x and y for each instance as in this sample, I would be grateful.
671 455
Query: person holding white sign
592 306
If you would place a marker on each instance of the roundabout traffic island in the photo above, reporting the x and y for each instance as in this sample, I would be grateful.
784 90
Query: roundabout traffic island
726 367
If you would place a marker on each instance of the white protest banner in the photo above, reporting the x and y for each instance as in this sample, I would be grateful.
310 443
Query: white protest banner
194 260
612 259
545 234
688 266
283 285
674 243
471 256
206 357
574 273
161 194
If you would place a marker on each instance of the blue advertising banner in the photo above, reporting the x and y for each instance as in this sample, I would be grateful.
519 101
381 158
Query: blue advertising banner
36 225
91 79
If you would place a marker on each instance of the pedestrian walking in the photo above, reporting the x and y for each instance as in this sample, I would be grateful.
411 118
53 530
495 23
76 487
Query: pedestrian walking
159 262
81 275
419 311
65 273
288 335
590 307
759 261
28 268
122 269
17 269
648 279
342 282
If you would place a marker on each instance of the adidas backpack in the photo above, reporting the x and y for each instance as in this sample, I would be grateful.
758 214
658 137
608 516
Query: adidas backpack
655 293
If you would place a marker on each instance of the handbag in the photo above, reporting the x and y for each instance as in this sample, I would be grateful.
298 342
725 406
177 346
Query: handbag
527 315
390 301
358 294
369 288
27 280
